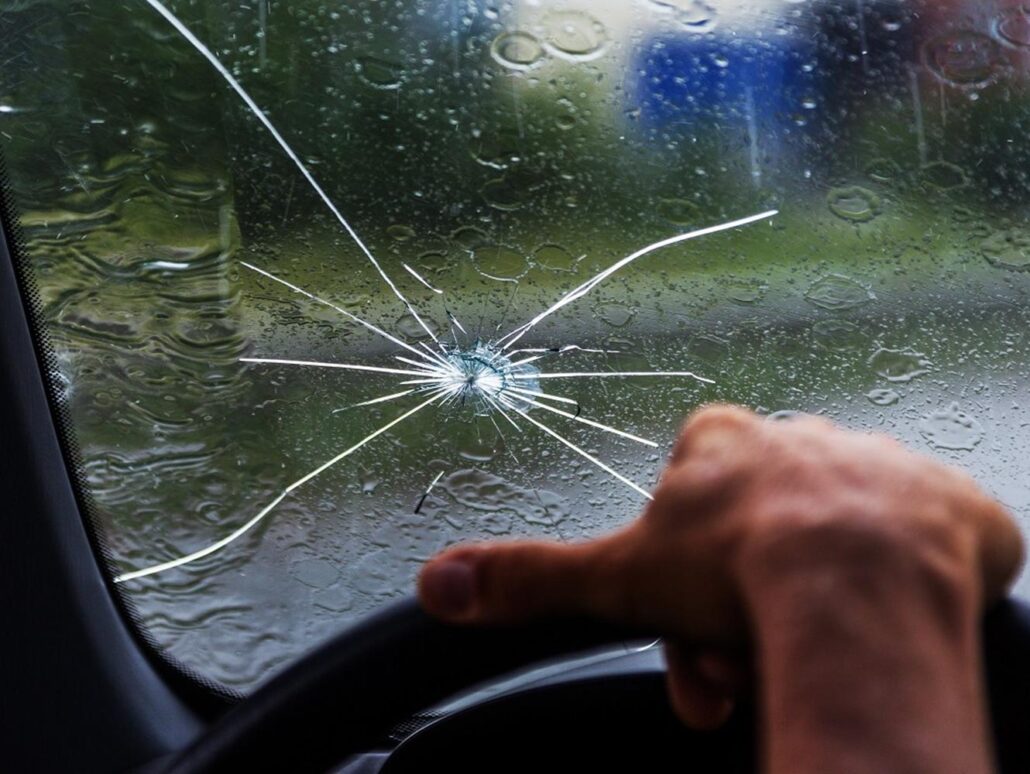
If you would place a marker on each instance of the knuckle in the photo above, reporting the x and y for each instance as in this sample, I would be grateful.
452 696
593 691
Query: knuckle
715 429
696 486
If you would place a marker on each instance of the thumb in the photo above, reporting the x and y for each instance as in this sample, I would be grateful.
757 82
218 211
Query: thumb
508 583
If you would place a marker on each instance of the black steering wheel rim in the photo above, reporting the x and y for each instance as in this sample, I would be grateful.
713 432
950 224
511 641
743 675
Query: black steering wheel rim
346 696
349 693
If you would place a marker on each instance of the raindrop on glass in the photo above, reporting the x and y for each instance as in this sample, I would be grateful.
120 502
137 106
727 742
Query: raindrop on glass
854 203
516 50
678 211
944 175
951 428
899 365
500 262
835 291
575 35
883 397
965 58
1009 249
555 257
839 335
1014 26
379 73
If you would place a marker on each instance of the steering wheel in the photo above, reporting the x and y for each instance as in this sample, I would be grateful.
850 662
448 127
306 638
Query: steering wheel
346 696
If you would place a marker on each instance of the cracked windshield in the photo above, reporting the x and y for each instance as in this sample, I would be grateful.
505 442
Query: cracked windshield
331 286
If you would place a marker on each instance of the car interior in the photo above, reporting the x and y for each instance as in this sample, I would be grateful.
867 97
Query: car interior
295 295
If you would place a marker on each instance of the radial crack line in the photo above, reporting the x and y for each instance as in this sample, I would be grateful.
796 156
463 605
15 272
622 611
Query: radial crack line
341 310
435 397
590 422
502 412
228 77
421 279
562 350
603 374
526 360
216 546
345 366
432 380
381 399
419 364
220 544
582 452
454 320
439 359
422 499
548 396
590 284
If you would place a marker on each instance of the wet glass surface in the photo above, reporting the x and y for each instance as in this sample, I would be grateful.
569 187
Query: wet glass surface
494 157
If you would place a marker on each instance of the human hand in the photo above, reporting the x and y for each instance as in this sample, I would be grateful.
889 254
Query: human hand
760 534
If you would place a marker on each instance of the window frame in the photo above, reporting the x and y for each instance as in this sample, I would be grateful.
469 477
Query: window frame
86 691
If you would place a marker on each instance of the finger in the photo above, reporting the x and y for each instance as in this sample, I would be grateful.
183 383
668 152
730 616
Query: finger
999 541
702 685
714 429
1001 550
520 581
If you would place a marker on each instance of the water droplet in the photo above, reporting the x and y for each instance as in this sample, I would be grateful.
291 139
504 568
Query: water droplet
317 573
964 58
575 35
899 365
1014 26
336 600
835 291
744 291
369 482
565 121
883 397
1009 249
400 233
854 203
433 261
839 335
503 194
516 50
477 446
614 314
695 15
555 258
469 237
381 572
682 212
883 170
708 348
944 175
951 428
499 262
497 151
379 73
409 327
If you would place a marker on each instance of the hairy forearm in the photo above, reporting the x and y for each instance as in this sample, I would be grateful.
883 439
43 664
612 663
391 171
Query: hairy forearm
869 664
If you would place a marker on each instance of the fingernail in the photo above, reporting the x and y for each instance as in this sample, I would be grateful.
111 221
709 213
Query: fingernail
449 587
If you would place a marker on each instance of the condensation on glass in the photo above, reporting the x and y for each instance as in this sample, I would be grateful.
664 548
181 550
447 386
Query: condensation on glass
493 158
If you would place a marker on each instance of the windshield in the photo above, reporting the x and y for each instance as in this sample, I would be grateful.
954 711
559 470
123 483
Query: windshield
331 286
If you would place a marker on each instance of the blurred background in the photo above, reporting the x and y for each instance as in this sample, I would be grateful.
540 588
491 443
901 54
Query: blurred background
507 152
